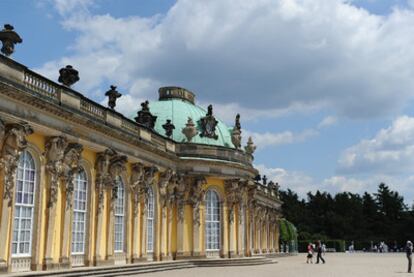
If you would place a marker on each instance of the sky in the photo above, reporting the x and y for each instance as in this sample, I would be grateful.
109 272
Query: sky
324 87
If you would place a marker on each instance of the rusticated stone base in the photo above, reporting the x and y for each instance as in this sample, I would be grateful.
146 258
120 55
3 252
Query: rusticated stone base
65 263
183 255
48 264
4 268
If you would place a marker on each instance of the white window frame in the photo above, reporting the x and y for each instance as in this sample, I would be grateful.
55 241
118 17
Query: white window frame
119 217
80 208
213 219
21 174
150 220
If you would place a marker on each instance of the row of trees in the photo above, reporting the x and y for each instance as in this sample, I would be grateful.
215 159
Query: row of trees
382 216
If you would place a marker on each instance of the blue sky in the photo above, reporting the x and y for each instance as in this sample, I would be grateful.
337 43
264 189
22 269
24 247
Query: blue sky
324 87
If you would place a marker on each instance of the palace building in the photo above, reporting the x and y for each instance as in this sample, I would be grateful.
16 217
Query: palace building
84 185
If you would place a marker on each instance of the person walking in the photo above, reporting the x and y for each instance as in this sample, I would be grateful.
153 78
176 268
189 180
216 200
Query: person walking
319 249
309 256
409 252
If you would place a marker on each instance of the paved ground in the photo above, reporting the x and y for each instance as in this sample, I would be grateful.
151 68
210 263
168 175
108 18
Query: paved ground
338 265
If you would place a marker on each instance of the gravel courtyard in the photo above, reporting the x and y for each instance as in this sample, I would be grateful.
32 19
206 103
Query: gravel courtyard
338 265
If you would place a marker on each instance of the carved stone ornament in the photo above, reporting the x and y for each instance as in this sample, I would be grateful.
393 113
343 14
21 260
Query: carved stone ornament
180 196
168 127
116 169
62 165
55 152
112 95
250 147
145 118
236 138
165 179
109 166
68 76
9 38
264 180
209 124
189 130
149 182
137 184
233 196
12 143
196 197
236 133
72 156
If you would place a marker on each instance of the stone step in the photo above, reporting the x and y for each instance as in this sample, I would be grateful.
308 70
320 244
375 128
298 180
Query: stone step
147 267
85 271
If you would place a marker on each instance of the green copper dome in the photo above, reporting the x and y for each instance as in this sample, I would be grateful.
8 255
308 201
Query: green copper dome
177 104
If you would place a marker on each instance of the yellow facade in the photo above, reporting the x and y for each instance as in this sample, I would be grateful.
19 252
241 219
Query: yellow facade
205 203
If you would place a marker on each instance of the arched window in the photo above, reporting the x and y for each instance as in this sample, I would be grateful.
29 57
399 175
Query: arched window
24 206
80 200
150 221
119 216
212 233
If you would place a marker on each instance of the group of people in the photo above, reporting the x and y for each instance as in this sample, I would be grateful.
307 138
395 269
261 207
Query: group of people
320 250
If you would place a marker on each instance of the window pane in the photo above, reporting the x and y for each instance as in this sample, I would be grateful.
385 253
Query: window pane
24 206
79 213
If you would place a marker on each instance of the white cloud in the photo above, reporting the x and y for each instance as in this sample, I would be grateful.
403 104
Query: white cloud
265 55
390 151
328 121
67 7
263 140
303 183
295 180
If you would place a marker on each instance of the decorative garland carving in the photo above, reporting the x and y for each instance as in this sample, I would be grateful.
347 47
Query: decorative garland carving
12 143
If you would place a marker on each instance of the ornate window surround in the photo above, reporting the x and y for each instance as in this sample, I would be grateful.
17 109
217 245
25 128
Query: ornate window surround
39 162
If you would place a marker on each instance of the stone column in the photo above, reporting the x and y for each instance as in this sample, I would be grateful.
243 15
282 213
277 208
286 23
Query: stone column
170 232
99 259
71 167
135 232
196 196
241 227
232 232
137 188
110 259
164 233
196 231
143 255
55 150
65 261
180 231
